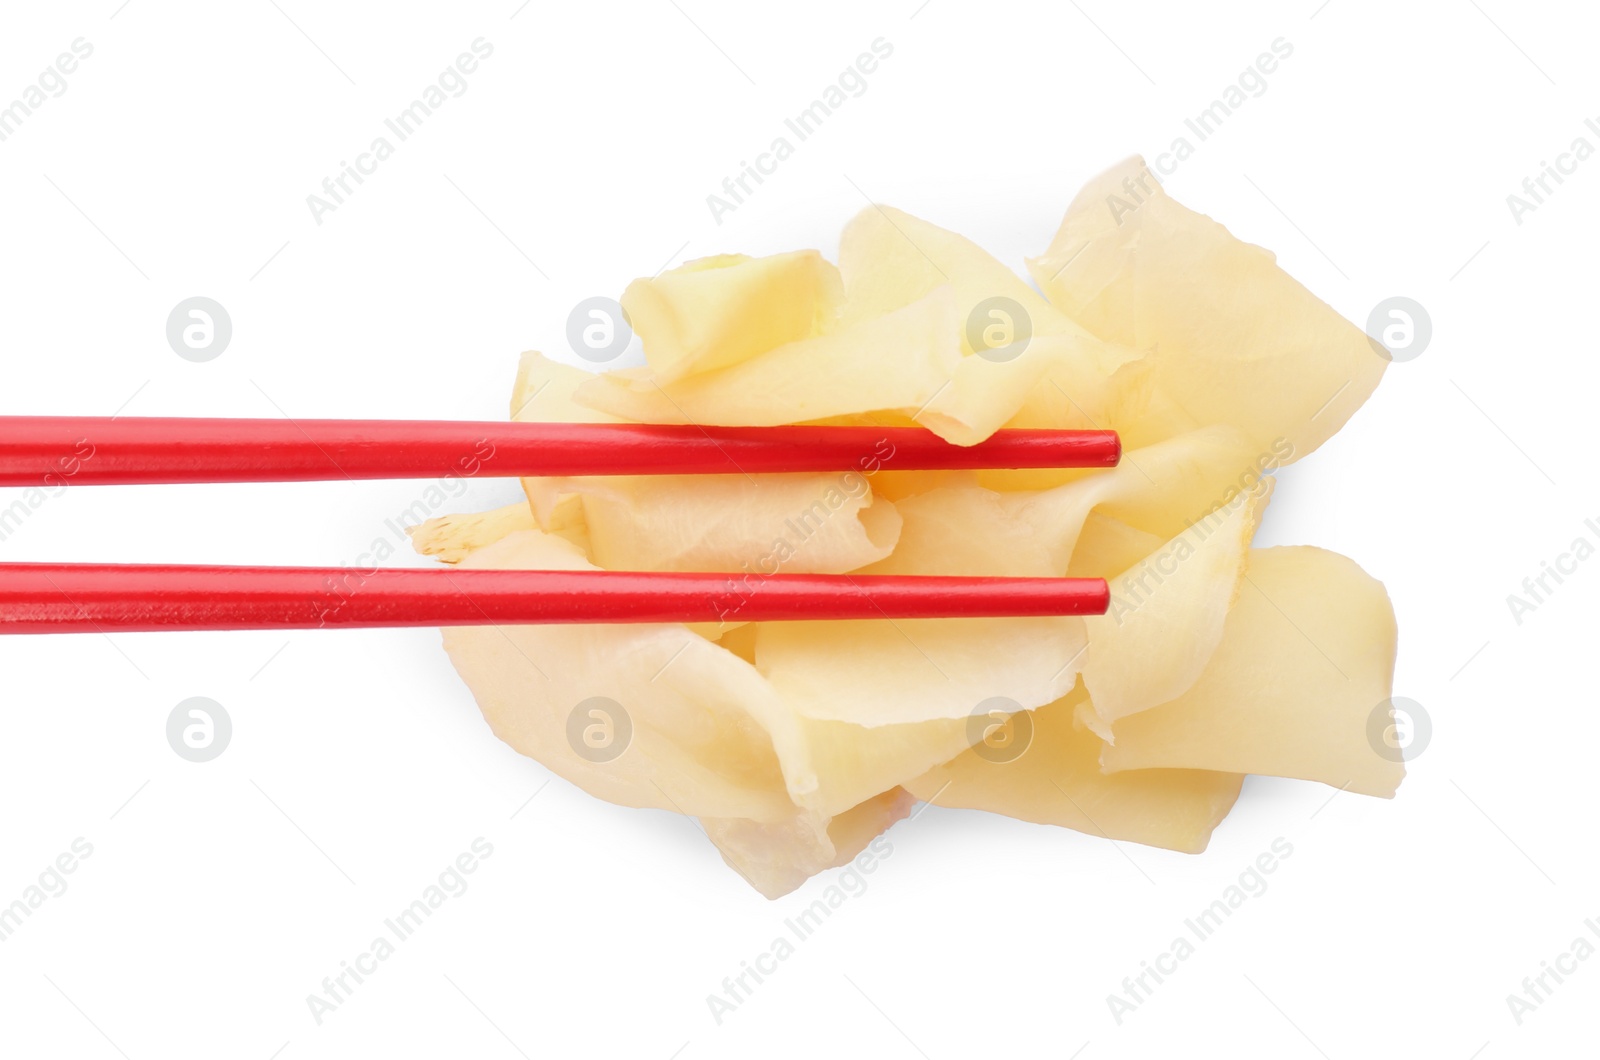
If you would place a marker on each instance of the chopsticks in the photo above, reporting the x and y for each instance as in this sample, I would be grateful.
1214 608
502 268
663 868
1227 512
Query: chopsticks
48 450
82 598
107 598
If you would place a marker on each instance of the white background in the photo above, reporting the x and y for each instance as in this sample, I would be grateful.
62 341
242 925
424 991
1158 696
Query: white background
219 895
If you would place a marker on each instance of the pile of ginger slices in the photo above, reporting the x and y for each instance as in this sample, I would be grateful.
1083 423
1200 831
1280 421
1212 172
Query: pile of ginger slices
798 743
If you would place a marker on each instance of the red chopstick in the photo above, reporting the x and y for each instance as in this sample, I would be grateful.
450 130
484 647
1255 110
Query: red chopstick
55 451
105 598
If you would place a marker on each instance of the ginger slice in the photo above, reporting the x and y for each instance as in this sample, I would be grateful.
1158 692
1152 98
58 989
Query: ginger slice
1305 662
1055 778
1231 337
716 312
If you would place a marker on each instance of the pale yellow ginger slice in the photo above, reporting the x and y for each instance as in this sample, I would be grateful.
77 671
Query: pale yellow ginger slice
1127 401
1166 615
1108 544
1298 686
1160 487
889 258
852 762
567 521
896 361
718 311
778 857
969 530
1096 391
1232 338
696 728
913 670
449 538
898 485
1160 490
697 743
1046 770
752 528
543 394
